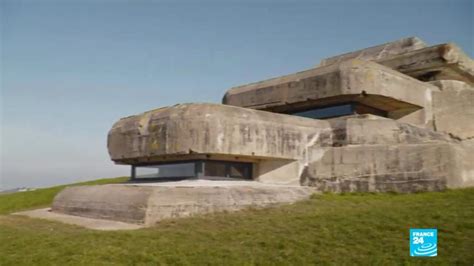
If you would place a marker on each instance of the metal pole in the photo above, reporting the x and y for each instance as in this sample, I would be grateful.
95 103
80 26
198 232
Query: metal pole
133 173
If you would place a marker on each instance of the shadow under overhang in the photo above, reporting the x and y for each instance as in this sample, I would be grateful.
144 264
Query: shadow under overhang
394 108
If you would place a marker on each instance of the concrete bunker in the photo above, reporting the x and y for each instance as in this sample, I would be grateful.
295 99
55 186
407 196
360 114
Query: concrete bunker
394 117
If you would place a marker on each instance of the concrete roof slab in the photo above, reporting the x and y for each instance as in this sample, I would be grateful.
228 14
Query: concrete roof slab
211 129
378 52
351 81
439 62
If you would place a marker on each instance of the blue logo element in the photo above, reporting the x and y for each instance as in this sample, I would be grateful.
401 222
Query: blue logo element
423 242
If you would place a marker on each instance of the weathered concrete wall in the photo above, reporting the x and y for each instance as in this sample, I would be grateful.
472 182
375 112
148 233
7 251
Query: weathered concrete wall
463 165
148 204
212 129
422 117
285 172
378 52
372 154
375 154
453 108
380 168
370 129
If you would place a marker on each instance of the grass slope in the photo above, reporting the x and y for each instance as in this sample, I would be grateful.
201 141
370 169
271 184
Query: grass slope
327 229
42 197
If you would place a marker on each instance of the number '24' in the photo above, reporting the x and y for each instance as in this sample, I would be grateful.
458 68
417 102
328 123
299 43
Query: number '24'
418 240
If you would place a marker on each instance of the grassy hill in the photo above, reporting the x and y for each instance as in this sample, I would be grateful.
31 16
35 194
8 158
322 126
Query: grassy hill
42 197
327 229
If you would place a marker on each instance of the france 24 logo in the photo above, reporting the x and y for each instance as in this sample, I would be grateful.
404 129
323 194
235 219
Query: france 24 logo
423 242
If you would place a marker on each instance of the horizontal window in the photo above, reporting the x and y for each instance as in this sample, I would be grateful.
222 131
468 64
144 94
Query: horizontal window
166 170
193 169
327 112
339 110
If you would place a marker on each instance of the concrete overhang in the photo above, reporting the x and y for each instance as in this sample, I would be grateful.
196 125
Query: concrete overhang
413 57
439 62
350 81
378 52
200 131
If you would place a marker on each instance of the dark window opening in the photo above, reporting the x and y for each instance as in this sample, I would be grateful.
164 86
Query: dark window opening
239 170
166 170
339 110
227 169
193 170
215 169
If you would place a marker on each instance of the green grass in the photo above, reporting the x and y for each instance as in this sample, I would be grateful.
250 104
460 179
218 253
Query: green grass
361 229
42 197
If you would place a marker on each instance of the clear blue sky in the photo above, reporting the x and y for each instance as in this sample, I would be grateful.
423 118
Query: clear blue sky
70 69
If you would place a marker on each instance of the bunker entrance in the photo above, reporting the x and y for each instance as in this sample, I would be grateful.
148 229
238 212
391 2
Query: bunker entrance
196 169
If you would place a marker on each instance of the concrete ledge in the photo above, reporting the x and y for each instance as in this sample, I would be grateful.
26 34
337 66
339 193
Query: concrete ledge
147 204
107 202
96 224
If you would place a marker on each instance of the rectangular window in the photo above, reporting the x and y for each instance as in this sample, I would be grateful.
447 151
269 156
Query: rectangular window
181 170
240 170
339 110
228 169
215 168
193 169
327 112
